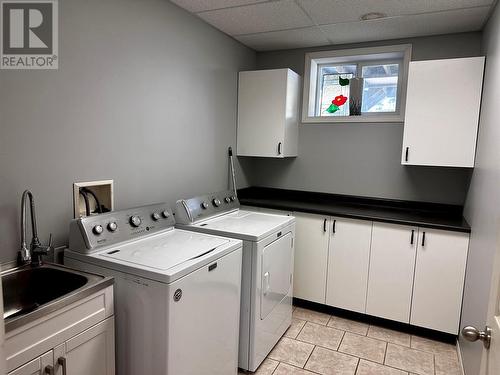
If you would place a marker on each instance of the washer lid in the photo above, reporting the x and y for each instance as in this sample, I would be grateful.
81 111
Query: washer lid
165 251
247 225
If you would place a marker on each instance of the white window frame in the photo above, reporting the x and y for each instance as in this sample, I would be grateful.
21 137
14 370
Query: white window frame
360 56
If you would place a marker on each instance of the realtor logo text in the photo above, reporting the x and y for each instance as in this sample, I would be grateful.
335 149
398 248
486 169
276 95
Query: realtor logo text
29 34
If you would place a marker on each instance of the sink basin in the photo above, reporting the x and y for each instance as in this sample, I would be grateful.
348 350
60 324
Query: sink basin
30 293
26 289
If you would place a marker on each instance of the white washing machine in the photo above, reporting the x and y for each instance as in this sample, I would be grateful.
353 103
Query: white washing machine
267 274
177 293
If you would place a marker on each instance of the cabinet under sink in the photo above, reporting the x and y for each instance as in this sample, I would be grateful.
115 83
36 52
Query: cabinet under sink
58 321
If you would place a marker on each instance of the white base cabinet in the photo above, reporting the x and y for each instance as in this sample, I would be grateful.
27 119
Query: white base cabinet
79 338
311 256
439 279
90 352
401 273
42 365
392 264
348 261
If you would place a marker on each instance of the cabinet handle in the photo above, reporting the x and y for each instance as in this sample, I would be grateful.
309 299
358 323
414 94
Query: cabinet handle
423 239
334 225
324 225
279 148
62 362
412 236
406 154
49 370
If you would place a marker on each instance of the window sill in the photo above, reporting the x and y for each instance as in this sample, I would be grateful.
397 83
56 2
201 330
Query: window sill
353 119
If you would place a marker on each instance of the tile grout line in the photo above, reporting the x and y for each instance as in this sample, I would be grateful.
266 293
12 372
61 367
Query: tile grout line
385 352
357 366
307 360
389 366
301 329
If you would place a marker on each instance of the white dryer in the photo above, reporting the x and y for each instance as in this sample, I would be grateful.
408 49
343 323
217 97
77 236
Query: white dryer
267 273
177 293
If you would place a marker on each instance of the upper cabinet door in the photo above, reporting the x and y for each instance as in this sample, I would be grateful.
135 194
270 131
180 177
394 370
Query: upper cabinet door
392 264
442 112
439 280
311 256
348 260
268 102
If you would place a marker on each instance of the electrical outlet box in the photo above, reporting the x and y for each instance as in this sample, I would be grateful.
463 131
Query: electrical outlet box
89 198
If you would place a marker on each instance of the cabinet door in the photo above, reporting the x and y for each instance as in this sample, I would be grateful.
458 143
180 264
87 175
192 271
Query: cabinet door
261 113
439 279
392 266
43 365
90 352
348 259
442 112
311 256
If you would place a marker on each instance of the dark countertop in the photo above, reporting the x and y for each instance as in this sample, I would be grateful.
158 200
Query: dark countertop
422 214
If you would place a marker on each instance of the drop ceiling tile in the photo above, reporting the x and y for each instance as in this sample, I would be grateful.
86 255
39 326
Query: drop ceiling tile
296 38
262 17
333 11
455 21
203 5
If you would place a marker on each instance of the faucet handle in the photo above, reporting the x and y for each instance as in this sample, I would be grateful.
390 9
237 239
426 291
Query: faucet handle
43 249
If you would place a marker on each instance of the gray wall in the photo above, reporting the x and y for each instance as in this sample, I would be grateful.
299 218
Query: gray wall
364 159
482 208
145 95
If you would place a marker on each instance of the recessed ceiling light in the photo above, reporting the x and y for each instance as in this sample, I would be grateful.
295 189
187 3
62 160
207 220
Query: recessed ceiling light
372 16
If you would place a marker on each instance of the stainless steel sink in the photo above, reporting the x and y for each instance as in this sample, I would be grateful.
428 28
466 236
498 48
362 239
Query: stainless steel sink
31 292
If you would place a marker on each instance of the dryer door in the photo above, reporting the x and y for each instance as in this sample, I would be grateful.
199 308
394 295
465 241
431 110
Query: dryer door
276 273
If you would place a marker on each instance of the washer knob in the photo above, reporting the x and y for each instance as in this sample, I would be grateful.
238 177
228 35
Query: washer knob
227 199
112 226
165 214
155 216
204 205
97 229
216 202
233 198
135 221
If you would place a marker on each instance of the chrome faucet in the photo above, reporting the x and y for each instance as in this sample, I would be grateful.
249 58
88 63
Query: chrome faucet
34 254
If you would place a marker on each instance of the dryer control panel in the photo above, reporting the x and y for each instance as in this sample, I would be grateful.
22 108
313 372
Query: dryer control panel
188 211
93 232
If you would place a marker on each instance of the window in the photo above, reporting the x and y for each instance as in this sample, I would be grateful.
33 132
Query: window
362 85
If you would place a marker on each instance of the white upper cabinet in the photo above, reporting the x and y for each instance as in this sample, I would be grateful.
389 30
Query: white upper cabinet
348 262
268 103
439 280
392 264
442 112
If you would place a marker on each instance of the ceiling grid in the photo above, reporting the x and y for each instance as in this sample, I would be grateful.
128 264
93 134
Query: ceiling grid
281 24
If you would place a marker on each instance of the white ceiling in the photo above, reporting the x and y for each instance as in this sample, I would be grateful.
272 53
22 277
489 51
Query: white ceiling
279 24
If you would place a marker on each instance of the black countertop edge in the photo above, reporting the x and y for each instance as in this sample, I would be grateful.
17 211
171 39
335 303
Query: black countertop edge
422 214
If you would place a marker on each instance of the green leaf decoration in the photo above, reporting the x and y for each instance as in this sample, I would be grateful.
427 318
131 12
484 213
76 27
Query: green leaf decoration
332 109
343 81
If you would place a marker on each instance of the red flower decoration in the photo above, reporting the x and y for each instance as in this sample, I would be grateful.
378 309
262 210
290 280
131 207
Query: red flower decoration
339 100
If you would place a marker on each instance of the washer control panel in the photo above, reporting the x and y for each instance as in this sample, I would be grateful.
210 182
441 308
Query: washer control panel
191 210
92 232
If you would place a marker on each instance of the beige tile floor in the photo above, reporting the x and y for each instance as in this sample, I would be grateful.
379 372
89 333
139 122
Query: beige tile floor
318 343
